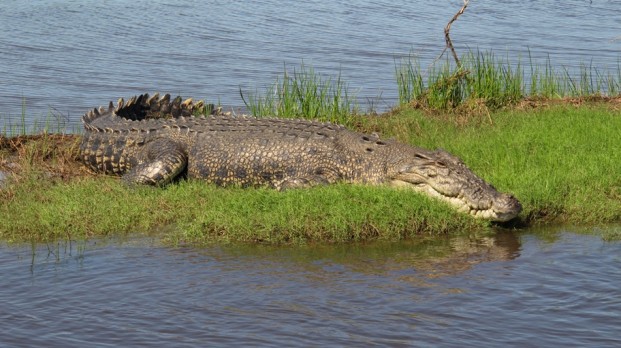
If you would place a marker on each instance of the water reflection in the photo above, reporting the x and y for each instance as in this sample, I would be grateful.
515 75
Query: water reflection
430 257
505 289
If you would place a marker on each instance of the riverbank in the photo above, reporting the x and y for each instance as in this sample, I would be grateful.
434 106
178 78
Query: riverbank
558 160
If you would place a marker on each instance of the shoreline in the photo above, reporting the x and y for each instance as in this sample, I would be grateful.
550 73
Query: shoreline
535 153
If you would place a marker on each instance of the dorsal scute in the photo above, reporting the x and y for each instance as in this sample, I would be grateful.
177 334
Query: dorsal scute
146 114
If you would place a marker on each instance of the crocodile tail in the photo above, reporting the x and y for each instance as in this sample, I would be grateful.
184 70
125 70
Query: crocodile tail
95 113
134 109
145 107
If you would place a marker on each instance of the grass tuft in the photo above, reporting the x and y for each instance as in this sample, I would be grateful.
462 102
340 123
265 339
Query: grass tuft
52 122
304 94
496 82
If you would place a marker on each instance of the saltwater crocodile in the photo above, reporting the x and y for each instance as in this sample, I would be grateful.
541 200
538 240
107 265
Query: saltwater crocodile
135 140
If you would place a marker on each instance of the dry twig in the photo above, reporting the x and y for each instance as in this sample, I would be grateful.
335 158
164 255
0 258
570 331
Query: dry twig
447 37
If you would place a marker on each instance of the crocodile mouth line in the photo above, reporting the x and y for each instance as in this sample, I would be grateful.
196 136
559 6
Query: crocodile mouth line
457 201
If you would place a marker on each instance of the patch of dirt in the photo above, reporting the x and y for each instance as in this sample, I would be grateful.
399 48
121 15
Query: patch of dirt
477 111
55 156
614 103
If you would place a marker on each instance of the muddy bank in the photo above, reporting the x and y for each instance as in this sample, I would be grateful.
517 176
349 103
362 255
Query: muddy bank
53 156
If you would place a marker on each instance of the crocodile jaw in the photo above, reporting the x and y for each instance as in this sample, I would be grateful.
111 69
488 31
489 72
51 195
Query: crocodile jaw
501 208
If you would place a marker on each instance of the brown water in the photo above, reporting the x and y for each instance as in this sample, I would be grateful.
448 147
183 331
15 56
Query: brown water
537 288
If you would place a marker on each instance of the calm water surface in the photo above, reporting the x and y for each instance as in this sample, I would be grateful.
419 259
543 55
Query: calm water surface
65 56
541 288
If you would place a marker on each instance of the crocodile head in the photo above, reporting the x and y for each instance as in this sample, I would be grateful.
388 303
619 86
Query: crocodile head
444 176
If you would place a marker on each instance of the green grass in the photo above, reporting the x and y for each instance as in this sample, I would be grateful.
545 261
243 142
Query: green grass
497 82
483 79
52 122
561 162
198 213
304 94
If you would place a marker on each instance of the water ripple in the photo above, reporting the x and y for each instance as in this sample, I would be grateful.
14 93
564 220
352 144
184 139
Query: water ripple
72 56
506 290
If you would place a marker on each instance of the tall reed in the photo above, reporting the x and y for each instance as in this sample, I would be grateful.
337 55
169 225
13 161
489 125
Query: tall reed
52 122
304 93
483 77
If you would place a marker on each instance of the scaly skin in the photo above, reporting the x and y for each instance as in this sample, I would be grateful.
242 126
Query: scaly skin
135 141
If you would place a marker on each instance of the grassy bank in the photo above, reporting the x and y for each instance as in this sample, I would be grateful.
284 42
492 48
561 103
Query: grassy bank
485 79
197 213
560 161
513 125
484 82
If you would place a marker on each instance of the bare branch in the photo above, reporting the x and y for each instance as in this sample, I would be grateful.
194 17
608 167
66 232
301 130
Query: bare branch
447 37
448 28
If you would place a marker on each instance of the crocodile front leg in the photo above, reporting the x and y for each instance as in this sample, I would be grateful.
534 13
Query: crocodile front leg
162 161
